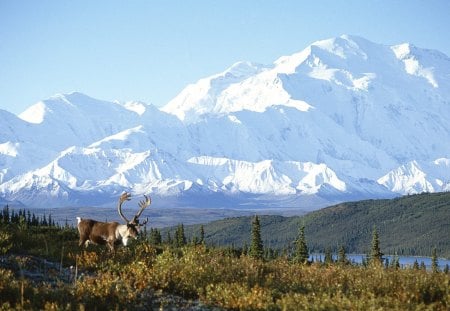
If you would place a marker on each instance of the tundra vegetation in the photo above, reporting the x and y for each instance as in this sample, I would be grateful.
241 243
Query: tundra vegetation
43 268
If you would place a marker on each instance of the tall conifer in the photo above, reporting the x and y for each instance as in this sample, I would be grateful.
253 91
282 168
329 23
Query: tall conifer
328 256
342 257
376 256
202 235
434 261
180 238
301 253
256 246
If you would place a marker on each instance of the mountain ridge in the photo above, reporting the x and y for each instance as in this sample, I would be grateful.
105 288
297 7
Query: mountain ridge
343 118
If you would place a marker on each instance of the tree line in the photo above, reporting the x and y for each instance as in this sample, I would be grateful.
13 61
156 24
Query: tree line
297 250
26 217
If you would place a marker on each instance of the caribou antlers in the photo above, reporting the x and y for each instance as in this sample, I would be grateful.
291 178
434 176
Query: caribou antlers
142 204
124 197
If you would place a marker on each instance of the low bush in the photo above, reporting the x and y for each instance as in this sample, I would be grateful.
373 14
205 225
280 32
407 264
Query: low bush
130 277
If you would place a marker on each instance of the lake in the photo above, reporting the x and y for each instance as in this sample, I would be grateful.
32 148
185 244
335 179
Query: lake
405 261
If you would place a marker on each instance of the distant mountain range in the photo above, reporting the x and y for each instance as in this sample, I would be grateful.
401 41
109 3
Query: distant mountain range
343 119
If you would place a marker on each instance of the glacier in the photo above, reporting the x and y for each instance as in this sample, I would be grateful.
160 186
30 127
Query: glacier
343 119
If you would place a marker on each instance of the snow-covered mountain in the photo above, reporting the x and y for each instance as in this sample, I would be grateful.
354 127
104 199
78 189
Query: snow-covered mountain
345 118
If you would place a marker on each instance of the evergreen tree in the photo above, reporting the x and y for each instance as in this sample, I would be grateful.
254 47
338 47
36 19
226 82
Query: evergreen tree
194 240
22 225
44 221
144 233
328 256
34 220
256 246
169 238
416 265
245 249
180 238
28 218
387 264
6 215
434 261
422 266
202 235
270 253
395 264
342 256
155 237
14 219
301 253
376 256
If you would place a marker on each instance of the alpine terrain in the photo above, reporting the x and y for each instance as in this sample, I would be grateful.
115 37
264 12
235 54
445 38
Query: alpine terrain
343 119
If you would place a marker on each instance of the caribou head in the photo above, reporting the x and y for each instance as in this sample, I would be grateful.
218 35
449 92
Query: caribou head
97 232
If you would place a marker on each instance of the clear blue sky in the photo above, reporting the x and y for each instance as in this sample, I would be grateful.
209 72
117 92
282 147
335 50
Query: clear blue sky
150 50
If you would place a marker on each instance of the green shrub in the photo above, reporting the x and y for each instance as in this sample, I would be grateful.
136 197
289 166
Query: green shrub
5 242
128 278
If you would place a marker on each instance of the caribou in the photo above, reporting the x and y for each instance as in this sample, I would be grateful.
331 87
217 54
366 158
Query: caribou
110 233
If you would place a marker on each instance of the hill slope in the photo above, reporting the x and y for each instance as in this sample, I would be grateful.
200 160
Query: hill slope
410 225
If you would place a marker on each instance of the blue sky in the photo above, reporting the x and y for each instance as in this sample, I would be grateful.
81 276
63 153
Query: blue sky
150 50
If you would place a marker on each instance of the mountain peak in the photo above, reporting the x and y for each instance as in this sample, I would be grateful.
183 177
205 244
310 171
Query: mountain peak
201 98
244 69
345 118
255 87
55 104
136 106
73 97
35 114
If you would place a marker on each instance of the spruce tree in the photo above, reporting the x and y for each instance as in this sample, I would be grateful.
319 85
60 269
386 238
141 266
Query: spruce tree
155 237
328 256
28 218
6 214
395 264
44 222
245 249
376 256
256 246
169 238
422 266
180 238
301 253
434 261
387 264
202 235
194 241
34 220
342 257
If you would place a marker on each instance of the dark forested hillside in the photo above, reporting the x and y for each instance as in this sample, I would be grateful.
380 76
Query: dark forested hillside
409 225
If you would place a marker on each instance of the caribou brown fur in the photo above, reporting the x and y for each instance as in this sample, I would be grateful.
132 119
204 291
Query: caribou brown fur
110 233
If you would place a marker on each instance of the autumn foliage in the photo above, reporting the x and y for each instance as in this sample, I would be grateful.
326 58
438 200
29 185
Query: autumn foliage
130 278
